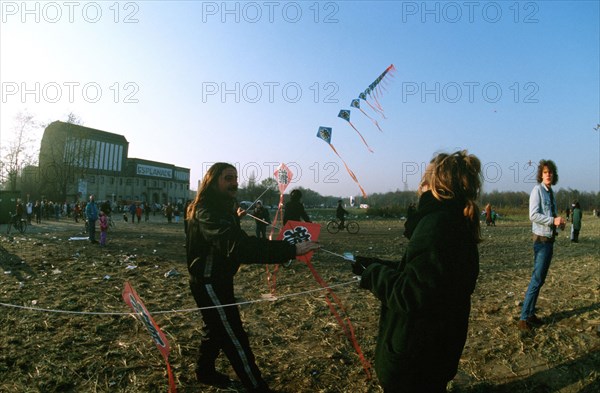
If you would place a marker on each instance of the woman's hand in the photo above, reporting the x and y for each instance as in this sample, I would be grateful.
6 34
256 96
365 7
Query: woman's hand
305 247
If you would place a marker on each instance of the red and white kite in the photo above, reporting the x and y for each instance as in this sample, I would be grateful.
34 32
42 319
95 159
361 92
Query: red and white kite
132 299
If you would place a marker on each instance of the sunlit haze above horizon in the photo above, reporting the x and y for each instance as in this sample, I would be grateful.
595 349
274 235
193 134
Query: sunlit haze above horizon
191 83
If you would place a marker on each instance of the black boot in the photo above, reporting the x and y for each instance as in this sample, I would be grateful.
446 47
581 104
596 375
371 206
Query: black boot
213 378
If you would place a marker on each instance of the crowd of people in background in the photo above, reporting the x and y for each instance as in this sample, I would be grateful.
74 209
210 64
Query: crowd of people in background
48 210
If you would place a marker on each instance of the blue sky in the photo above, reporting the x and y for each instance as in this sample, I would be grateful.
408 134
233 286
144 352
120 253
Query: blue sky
191 83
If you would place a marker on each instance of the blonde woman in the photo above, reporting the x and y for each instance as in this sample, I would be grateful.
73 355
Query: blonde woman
426 297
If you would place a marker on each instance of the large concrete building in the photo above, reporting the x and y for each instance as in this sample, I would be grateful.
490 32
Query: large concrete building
77 161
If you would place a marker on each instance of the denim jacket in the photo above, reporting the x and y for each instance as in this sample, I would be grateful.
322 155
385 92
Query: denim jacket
540 211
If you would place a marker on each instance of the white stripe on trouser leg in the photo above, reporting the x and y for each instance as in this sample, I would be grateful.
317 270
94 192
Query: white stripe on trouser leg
231 334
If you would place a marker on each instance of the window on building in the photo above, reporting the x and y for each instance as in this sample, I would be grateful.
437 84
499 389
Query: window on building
112 180
92 179
101 179
129 182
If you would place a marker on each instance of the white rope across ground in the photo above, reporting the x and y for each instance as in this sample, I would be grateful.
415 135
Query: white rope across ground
183 310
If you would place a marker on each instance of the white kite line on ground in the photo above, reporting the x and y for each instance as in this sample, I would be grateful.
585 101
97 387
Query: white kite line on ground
270 299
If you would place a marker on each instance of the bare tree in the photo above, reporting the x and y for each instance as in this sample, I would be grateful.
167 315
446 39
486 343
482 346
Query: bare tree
271 193
72 118
20 151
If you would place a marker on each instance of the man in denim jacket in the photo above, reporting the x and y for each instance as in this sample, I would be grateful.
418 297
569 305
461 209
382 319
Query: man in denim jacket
543 216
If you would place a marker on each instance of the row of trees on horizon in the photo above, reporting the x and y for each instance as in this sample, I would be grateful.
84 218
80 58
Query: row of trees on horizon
400 200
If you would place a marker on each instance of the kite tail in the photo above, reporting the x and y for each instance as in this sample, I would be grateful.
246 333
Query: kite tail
277 213
345 324
352 175
172 385
377 89
365 363
361 137
272 277
377 104
390 71
380 112
370 118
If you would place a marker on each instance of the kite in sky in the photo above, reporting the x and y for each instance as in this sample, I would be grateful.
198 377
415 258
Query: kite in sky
375 88
325 133
345 114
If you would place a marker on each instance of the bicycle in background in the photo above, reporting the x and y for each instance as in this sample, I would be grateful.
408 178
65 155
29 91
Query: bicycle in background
333 226
19 223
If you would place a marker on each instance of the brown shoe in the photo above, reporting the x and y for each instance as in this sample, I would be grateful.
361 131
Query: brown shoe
524 326
535 321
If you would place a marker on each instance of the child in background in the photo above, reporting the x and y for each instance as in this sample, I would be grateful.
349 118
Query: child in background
103 228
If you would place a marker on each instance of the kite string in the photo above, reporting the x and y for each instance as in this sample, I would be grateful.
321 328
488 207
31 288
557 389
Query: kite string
56 311
257 199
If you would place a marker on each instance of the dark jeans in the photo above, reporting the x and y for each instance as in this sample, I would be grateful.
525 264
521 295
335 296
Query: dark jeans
261 231
542 256
574 234
92 230
420 388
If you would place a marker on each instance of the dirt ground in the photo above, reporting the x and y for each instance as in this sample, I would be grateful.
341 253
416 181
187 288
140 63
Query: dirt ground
64 326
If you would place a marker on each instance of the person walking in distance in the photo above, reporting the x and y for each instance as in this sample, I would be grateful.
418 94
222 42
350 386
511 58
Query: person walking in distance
262 219
91 214
576 224
103 221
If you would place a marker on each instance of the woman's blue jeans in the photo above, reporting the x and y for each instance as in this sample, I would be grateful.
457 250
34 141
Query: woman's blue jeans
542 255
